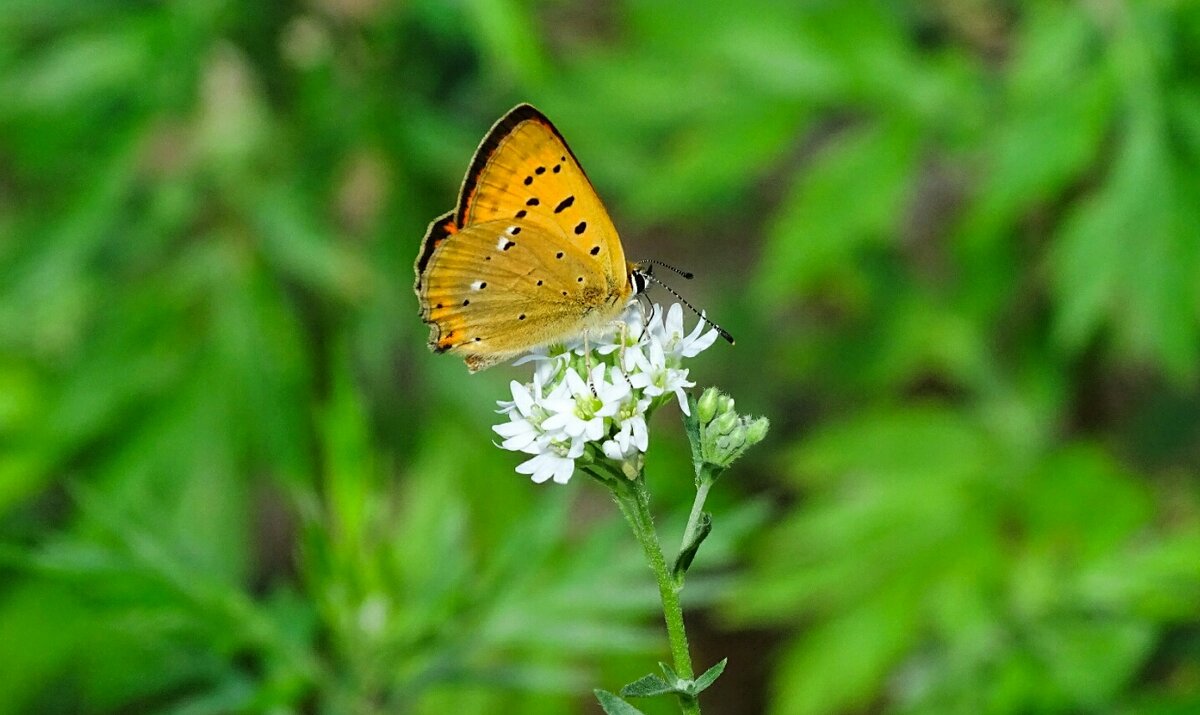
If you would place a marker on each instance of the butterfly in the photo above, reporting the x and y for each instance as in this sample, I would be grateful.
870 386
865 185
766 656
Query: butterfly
529 257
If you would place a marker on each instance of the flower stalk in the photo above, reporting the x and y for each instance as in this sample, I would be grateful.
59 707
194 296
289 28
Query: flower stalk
634 502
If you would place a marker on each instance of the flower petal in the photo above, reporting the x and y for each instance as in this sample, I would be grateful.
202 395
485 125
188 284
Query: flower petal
563 470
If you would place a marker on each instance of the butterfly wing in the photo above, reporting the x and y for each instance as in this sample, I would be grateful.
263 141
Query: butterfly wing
496 289
564 272
523 169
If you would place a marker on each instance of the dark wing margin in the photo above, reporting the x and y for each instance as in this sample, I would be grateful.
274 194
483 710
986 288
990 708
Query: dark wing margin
491 142
439 230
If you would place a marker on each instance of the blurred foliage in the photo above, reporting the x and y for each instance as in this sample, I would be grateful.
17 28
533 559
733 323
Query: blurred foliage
958 242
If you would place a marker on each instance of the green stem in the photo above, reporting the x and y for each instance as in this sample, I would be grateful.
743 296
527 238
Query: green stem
634 501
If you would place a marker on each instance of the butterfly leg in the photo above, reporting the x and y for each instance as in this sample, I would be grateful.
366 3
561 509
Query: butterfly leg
623 328
587 361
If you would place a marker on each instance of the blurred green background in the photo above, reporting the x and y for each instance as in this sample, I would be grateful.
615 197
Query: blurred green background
958 243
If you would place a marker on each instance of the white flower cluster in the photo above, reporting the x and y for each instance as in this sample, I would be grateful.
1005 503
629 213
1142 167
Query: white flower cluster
565 409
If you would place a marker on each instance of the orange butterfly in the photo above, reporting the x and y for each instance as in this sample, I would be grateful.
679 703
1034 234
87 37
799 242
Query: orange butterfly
529 257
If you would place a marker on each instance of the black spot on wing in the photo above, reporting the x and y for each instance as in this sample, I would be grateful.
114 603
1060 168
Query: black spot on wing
564 204
581 227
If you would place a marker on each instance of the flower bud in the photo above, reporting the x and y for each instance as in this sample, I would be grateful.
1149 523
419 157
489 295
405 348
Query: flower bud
737 438
706 409
724 434
725 422
756 431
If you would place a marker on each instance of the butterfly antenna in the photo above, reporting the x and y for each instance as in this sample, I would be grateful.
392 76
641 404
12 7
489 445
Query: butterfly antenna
686 274
722 331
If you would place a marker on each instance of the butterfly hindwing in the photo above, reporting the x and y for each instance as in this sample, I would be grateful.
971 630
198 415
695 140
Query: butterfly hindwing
499 288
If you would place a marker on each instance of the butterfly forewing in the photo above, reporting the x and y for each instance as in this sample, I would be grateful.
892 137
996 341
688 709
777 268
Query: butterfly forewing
523 169
528 257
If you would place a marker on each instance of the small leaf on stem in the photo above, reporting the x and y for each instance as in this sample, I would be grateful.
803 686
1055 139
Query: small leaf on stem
684 561
709 676
613 705
672 676
647 686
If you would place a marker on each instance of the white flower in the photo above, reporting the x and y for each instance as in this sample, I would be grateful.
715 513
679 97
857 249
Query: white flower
525 416
632 436
581 411
669 332
654 378
557 462
599 399
550 362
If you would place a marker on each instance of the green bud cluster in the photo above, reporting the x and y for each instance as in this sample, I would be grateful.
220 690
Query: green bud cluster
724 434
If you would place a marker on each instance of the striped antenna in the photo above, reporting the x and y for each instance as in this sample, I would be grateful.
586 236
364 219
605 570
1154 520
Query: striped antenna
650 276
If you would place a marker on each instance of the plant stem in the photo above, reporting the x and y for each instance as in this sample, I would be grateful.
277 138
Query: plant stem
634 500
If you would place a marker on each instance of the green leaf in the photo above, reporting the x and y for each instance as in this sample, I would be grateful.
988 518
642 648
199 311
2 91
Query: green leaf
684 561
1127 257
691 423
647 686
1091 659
614 705
672 676
840 664
813 236
708 677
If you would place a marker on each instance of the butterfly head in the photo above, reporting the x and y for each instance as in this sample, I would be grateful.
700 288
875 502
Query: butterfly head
639 277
